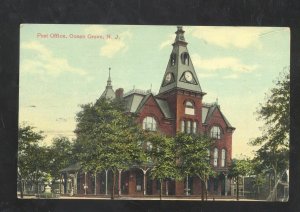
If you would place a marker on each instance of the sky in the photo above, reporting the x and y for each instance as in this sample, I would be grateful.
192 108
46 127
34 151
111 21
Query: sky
65 66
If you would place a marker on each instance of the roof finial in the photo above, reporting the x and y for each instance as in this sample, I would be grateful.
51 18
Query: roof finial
180 35
217 101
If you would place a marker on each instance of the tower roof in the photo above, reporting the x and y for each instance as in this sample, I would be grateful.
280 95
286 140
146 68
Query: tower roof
108 93
180 72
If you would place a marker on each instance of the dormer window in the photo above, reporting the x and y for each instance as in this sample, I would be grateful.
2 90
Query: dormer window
189 108
149 123
185 58
215 132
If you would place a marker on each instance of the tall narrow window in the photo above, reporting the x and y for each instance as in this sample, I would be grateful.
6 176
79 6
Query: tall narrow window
173 59
215 132
188 127
223 157
182 126
216 157
185 58
194 127
149 123
189 108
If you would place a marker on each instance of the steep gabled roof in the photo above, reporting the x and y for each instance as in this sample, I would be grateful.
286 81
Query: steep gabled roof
208 111
176 68
136 101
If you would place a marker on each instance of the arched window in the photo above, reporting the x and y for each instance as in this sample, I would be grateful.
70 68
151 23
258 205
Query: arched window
216 157
173 59
215 132
185 58
223 158
149 123
189 108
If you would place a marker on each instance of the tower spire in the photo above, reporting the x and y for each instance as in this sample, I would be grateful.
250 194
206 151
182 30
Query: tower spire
109 79
180 72
108 92
180 36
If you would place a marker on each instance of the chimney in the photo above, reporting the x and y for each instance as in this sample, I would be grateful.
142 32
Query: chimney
119 93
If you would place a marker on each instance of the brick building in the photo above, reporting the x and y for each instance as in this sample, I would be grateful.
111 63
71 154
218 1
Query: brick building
178 107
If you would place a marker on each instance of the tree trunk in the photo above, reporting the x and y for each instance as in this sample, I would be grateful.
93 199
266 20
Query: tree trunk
113 186
161 187
237 188
202 189
206 189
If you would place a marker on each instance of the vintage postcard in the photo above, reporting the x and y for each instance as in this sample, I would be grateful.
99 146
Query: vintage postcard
154 112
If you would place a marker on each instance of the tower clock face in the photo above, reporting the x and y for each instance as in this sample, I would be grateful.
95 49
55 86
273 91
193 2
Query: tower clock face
188 76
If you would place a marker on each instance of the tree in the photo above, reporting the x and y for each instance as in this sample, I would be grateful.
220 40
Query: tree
107 138
162 157
274 141
60 156
32 158
237 169
193 157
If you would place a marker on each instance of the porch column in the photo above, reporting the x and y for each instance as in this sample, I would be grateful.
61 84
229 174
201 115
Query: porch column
187 186
95 183
85 186
106 170
75 183
167 189
226 189
144 172
120 175
60 182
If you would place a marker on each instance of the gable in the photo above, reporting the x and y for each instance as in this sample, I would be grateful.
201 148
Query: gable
150 105
214 114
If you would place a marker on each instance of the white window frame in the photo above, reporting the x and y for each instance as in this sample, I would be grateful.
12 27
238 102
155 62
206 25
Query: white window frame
223 158
188 126
194 127
149 123
216 155
215 132
189 108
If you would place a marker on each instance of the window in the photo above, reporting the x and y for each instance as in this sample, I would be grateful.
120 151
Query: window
149 123
215 157
173 59
194 127
188 126
185 58
182 126
215 132
189 108
223 157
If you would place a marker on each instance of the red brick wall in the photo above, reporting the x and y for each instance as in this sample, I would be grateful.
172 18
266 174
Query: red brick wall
152 109
182 97
226 138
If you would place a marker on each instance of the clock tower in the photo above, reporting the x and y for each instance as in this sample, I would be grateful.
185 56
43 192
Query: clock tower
181 88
